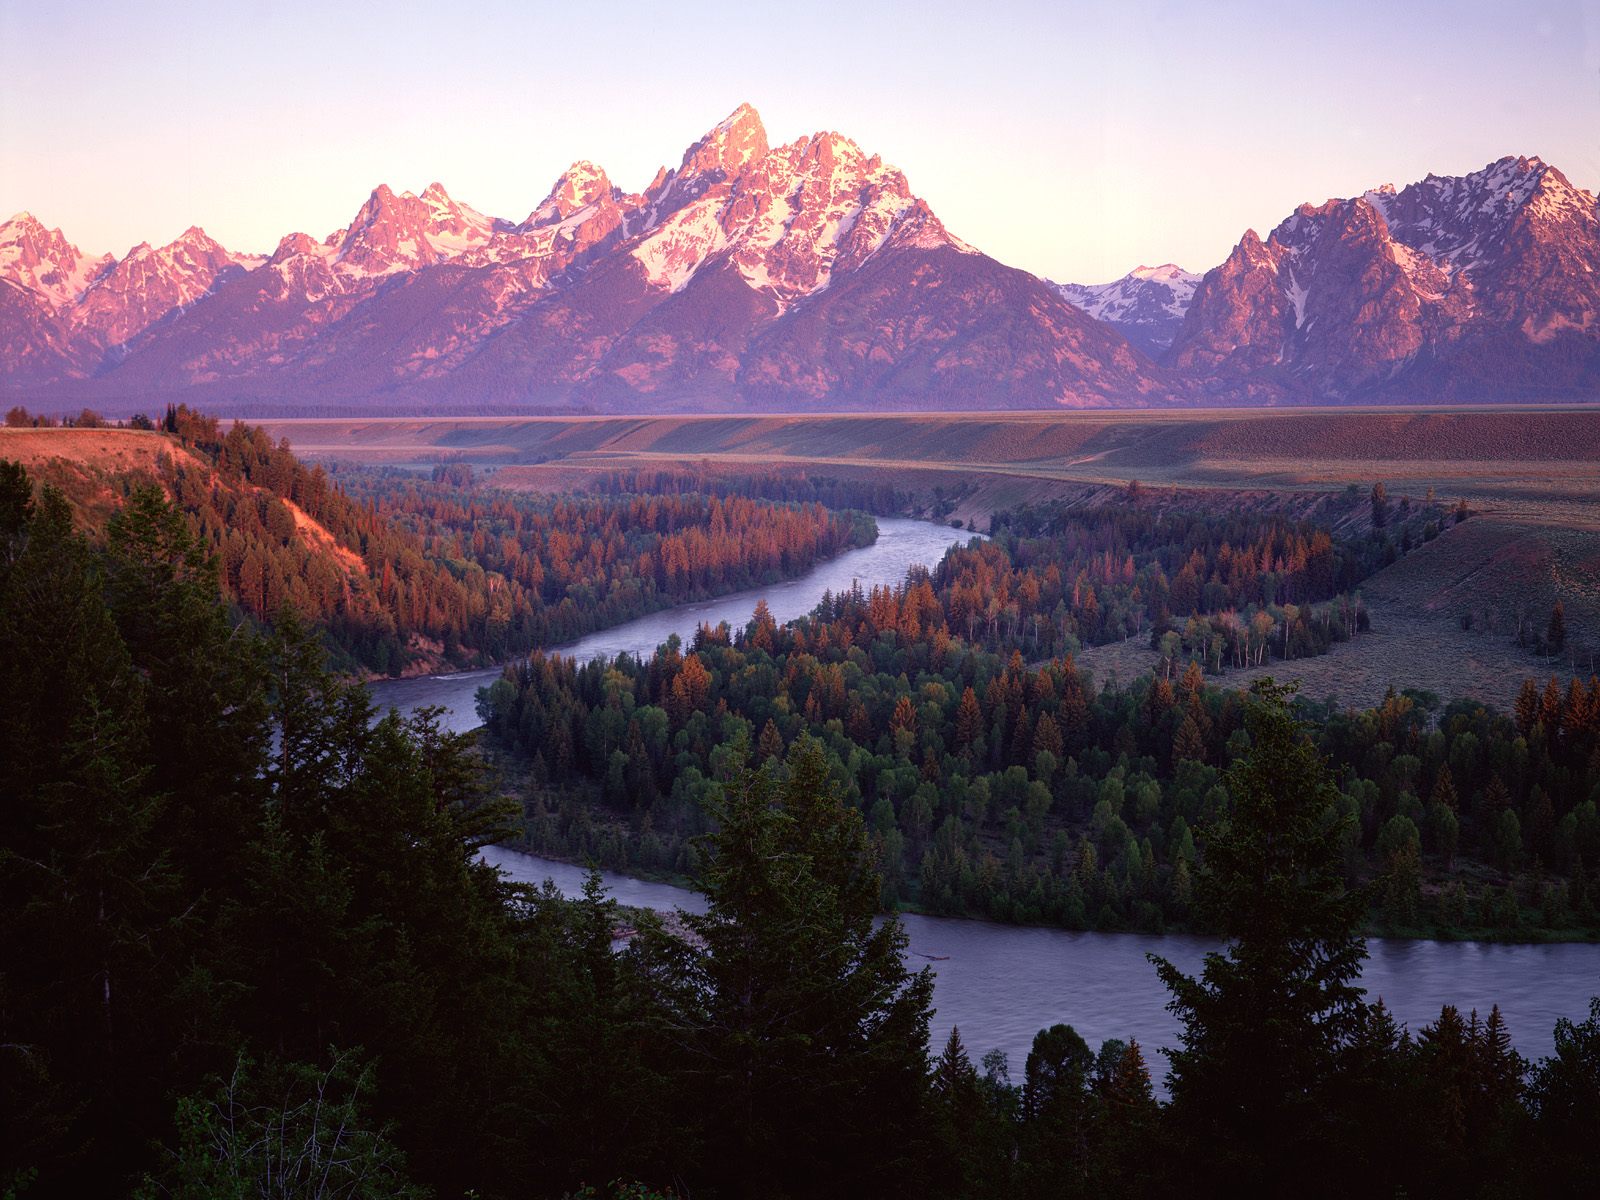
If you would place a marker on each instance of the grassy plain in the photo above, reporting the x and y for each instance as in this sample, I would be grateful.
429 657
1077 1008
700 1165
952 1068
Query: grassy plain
1531 477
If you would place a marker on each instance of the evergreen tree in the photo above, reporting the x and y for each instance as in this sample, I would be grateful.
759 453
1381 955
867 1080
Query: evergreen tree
1555 635
803 1026
1564 1095
86 888
1057 1114
1268 1021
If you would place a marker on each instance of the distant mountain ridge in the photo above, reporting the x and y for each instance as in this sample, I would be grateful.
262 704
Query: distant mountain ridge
808 276
1146 306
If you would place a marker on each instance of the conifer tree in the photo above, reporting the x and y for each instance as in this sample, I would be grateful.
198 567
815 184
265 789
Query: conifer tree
801 1021
1268 1020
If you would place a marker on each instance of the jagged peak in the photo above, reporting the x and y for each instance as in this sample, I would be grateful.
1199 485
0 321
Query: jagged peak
735 142
580 185
296 243
745 114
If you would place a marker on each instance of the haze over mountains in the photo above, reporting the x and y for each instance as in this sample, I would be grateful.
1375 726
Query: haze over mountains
808 276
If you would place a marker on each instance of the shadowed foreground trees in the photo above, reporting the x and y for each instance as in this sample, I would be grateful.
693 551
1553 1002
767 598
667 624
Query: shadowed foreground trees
240 964
801 1029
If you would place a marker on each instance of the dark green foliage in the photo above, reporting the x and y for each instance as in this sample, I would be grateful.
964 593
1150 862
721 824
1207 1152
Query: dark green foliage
302 1128
1029 794
805 1035
1564 1095
1267 1022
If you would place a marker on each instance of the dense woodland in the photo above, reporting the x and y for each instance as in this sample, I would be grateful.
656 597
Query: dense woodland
558 567
1027 793
396 569
1223 589
798 484
249 948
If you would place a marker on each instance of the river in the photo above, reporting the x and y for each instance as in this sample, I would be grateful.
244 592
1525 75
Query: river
901 544
1002 984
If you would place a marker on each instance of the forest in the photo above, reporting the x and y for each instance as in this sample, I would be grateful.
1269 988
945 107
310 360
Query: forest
250 948
1222 589
1030 794
397 570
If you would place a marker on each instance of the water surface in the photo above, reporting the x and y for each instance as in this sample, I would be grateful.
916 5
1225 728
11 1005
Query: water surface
901 544
1002 984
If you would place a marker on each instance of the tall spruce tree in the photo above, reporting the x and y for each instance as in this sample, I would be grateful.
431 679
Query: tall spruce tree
86 889
1267 1023
806 1034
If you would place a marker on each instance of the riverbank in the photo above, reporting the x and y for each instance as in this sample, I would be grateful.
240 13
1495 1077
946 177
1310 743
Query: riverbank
901 543
1001 984
1482 935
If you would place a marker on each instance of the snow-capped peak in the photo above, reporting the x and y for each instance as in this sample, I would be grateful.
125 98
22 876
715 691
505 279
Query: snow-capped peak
1168 273
788 220
579 186
395 232
1147 304
43 262
727 149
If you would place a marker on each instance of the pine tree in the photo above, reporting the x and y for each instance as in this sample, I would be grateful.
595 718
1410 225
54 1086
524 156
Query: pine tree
1056 1113
805 1026
1564 1095
1526 707
1555 635
1380 505
1188 743
969 721
87 891
1265 1025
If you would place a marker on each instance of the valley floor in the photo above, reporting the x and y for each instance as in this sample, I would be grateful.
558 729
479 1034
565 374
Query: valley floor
1530 476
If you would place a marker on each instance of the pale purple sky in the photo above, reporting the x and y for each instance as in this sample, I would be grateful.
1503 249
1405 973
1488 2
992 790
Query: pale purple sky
1074 140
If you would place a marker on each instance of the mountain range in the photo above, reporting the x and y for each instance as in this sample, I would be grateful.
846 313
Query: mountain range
808 276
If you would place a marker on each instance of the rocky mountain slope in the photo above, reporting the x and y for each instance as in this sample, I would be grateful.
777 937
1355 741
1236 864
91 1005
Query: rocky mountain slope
1478 287
804 275
1146 306
809 276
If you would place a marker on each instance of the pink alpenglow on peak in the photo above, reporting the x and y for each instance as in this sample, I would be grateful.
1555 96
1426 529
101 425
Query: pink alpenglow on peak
1484 286
807 274
810 275
43 262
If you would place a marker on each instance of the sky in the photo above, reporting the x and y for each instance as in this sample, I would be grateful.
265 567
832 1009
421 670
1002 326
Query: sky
1074 140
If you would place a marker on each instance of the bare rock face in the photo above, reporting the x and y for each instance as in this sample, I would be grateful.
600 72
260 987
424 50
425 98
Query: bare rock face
802 275
809 275
149 285
1481 286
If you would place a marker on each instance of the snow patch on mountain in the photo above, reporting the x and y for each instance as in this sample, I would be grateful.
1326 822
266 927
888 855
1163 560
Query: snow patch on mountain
1146 305
43 262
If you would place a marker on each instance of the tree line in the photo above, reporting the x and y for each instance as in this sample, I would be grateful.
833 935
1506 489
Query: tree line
1228 589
